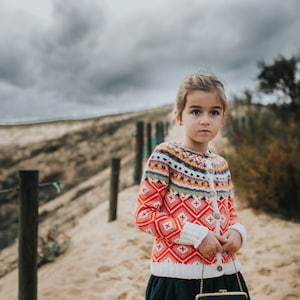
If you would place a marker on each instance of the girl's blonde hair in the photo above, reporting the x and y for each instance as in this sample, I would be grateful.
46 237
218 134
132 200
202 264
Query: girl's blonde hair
195 82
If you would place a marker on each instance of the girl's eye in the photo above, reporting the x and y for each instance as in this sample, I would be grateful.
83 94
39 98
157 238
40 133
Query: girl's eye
196 112
215 113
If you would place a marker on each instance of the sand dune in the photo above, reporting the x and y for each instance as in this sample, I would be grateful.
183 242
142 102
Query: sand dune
111 260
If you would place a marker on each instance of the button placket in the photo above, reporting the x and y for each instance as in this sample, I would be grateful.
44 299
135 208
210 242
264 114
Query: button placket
213 194
219 260
216 215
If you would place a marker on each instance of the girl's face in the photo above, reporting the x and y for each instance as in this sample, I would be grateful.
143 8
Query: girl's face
201 118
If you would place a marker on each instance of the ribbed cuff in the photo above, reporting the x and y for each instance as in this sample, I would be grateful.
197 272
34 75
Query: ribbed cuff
242 230
192 234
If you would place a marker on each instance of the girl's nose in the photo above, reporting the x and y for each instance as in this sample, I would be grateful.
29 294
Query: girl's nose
205 119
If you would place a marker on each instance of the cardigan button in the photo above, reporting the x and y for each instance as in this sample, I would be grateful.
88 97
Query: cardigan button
220 268
211 171
217 216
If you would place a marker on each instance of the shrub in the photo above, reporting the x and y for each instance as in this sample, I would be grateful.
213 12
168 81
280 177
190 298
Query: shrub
52 245
264 158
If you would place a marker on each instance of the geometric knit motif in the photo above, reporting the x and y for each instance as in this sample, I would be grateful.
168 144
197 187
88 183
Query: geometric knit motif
180 185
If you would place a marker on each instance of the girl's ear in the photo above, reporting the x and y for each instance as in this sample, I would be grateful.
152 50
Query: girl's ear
178 118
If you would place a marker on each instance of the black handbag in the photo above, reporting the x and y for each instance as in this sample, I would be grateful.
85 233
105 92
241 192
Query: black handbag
222 294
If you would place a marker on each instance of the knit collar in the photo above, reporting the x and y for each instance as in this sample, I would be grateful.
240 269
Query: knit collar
205 154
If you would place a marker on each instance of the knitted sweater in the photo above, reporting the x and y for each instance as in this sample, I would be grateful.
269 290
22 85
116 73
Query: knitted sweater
183 194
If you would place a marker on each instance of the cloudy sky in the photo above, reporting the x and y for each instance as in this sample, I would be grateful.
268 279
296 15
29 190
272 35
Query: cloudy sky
78 58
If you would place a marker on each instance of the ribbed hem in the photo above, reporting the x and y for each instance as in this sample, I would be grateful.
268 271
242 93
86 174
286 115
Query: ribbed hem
192 234
193 271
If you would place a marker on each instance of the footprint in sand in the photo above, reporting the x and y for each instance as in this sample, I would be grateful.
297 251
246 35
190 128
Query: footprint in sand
130 225
103 269
265 271
133 242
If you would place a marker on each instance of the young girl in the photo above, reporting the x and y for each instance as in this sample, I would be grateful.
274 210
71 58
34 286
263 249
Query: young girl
186 202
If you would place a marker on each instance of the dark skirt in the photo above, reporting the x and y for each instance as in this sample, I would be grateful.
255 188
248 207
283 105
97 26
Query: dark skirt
164 288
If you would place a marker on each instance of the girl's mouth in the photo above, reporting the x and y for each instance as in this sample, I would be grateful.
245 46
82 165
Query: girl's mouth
205 131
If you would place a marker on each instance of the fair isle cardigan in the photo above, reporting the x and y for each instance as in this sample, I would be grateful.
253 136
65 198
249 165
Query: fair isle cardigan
182 195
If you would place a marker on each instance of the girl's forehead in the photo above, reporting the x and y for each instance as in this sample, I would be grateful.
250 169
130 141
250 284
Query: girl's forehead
203 99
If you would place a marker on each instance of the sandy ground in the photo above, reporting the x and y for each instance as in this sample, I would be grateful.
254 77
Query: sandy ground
111 260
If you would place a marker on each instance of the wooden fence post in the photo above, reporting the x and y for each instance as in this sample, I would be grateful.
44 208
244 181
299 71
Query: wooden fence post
162 128
28 234
114 189
159 132
149 139
139 151
166 132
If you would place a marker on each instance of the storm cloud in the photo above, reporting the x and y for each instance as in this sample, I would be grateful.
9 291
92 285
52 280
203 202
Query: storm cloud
91 55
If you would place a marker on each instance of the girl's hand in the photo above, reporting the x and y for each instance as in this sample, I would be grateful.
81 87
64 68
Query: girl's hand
233 241
211 244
